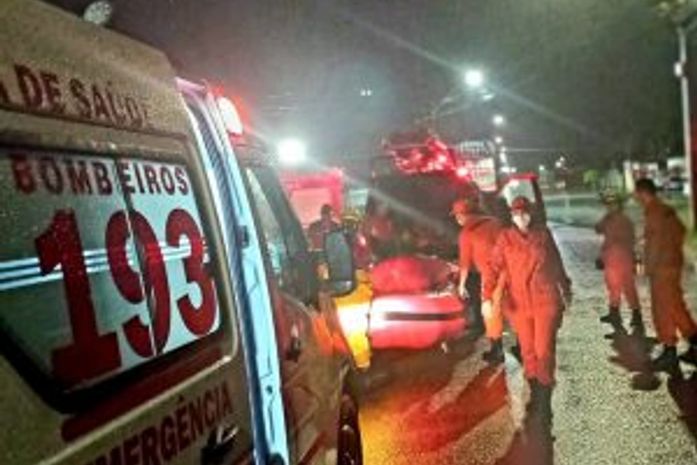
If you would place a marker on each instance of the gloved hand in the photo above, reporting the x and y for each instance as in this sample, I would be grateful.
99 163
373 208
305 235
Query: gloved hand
462 292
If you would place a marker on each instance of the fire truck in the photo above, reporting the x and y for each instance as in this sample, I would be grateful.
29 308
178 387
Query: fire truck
308 191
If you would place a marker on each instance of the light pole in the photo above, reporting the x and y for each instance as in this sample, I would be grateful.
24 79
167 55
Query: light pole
683 15
682 73
434 113
474 80
503 155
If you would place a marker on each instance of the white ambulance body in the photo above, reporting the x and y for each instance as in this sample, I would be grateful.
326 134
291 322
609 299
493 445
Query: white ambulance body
146 317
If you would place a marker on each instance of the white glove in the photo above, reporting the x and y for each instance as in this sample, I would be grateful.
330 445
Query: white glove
462 292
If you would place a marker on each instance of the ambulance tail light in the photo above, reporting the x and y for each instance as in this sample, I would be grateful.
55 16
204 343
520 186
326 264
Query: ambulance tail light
230 116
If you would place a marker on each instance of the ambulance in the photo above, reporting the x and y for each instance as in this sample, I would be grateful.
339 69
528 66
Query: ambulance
158 303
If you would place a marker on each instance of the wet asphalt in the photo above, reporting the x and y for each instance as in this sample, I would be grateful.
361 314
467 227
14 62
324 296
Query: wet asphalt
437 407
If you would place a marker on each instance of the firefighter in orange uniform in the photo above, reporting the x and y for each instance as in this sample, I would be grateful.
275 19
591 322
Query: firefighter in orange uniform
319 229
664 235
476 242
617 255
537 286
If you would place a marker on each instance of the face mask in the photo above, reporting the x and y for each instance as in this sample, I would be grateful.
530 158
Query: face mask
522 220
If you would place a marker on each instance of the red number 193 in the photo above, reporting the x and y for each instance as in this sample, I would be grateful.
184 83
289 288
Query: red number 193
91 354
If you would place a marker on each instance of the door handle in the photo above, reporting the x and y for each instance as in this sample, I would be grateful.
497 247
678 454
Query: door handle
220 443
295 349
295 346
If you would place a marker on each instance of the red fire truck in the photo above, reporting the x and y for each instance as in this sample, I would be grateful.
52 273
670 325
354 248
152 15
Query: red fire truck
308 191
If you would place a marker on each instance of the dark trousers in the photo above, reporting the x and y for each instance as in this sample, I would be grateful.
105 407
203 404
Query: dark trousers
474 289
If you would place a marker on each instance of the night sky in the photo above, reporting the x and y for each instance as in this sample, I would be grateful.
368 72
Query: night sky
589 78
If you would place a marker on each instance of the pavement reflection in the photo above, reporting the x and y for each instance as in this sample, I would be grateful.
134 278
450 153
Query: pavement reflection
440 408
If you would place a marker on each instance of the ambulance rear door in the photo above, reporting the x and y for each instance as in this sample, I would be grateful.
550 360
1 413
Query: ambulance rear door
119 334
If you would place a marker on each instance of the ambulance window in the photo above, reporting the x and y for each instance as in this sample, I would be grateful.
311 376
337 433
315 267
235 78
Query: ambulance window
104 265
276 250
285 241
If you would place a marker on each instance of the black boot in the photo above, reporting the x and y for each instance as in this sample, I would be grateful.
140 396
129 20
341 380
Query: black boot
494 355
690 355
534 394
612 317
543 408
636 321
515 351
667 361
544 396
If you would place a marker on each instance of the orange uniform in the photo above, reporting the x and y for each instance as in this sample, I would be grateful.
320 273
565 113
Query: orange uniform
318 230
617 253
535 279
663 258
476 243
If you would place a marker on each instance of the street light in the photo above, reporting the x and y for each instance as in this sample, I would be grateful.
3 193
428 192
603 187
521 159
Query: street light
474 78
475 81
498 140
291 151
498 120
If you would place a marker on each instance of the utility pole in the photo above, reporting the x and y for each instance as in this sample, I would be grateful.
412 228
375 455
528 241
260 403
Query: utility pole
435 112
683 15
682 71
